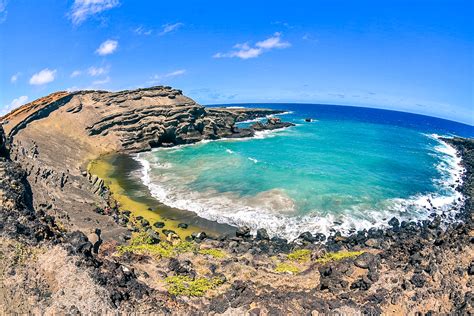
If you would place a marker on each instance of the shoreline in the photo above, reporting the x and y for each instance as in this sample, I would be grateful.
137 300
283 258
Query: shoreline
129 194
172 216
425 203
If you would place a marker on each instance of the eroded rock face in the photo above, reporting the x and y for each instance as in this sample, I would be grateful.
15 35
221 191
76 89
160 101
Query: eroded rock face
54 138
3 141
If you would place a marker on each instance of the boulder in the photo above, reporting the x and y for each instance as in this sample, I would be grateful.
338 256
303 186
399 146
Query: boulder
262 234
80 244
394 222
365 260
159 224
307 236
243 232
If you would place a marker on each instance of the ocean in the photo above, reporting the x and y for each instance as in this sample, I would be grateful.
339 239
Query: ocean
349 168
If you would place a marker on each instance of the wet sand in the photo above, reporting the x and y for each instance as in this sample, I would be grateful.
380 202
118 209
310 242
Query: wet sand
121 173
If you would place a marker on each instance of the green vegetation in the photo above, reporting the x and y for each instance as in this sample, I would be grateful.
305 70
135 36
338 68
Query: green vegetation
184 285
301 255
216 253
142 244
284 267
335 256
141 238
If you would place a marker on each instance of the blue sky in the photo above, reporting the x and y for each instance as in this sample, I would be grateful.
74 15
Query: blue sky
414 56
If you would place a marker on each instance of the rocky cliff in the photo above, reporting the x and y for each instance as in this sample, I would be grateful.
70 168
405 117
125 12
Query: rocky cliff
53 138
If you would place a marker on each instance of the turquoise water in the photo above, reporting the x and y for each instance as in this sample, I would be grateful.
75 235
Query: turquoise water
331 173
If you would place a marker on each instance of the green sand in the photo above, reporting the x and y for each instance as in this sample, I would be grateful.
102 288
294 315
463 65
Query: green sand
118 170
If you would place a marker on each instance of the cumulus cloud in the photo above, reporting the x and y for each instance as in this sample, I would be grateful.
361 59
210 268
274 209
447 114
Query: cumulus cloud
43 77
167 28
107 47
158 78
83 9
14 78
245 51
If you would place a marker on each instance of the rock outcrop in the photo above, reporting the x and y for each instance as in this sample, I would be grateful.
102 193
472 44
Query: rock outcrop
53 139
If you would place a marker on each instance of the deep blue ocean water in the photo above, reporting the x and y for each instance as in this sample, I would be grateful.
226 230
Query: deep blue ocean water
349 168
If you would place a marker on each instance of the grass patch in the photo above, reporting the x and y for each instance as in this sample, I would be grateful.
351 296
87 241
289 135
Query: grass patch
184 285
216 253
142 244
301 255
336 256
284 267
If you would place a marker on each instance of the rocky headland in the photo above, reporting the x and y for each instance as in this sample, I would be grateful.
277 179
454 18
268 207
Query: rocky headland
67 246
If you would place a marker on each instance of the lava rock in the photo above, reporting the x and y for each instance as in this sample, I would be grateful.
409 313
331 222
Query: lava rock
394 222
262 234
159 224
80 244
470 269
243 232
183 225
307 236
418 280
365 260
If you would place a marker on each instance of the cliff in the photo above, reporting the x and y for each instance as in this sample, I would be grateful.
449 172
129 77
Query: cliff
54 138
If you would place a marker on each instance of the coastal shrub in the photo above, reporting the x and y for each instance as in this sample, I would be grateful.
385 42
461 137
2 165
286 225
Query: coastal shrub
335 256
300 255
142 243
141 238
184 285
216 253
285 267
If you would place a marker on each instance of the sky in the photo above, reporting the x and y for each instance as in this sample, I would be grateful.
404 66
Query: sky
414 56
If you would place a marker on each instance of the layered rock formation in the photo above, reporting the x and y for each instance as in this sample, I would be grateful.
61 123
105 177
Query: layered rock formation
54 137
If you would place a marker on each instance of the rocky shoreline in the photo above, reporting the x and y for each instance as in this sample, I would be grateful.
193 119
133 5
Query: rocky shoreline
118 262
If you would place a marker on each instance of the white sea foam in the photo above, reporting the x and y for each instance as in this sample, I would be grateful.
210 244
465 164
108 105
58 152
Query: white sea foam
229 151
253 160
275 211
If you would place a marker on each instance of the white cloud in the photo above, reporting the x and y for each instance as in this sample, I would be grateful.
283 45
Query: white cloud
3 10
142 31
101 81
158 78
76 73
14 104
83 9
273 42
19 101
97 71
245 51
170 27
107 47
15 77
44 76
